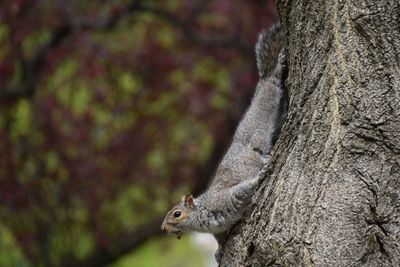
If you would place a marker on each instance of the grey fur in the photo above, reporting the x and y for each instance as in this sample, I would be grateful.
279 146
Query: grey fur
244 164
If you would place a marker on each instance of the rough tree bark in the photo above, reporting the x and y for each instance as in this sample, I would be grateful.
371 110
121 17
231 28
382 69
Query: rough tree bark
332 196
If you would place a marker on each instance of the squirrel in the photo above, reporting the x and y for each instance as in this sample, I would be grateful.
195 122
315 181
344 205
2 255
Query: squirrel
245 163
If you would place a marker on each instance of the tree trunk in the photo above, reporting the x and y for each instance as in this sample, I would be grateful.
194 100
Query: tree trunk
332 194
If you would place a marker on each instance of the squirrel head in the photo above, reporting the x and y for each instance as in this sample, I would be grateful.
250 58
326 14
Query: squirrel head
180 218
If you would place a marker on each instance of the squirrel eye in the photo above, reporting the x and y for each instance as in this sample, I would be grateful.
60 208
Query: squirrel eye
177 213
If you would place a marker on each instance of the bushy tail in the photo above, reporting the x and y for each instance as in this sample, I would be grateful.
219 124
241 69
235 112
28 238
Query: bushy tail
270 42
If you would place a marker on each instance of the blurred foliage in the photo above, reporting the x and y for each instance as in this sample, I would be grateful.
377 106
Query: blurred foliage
115 123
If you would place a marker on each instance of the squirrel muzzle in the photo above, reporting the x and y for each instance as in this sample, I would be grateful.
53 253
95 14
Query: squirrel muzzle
171 230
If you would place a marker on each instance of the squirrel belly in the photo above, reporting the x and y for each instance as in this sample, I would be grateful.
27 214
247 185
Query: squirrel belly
244 164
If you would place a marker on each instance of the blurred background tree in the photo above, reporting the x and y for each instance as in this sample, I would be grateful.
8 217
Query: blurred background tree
109 112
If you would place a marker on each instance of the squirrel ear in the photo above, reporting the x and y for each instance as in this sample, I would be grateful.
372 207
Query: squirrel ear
188 199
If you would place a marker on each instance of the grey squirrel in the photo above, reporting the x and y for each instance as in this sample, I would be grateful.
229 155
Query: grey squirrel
245 162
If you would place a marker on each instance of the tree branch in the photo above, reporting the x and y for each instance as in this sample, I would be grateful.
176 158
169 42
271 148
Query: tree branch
31 68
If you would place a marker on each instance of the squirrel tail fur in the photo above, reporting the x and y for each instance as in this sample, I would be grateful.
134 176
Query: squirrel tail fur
270 42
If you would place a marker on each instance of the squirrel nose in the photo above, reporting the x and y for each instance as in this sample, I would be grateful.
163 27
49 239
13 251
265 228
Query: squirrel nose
163 227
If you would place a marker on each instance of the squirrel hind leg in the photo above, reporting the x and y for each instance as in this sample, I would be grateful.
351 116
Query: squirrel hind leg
265 159
263 172
281 66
